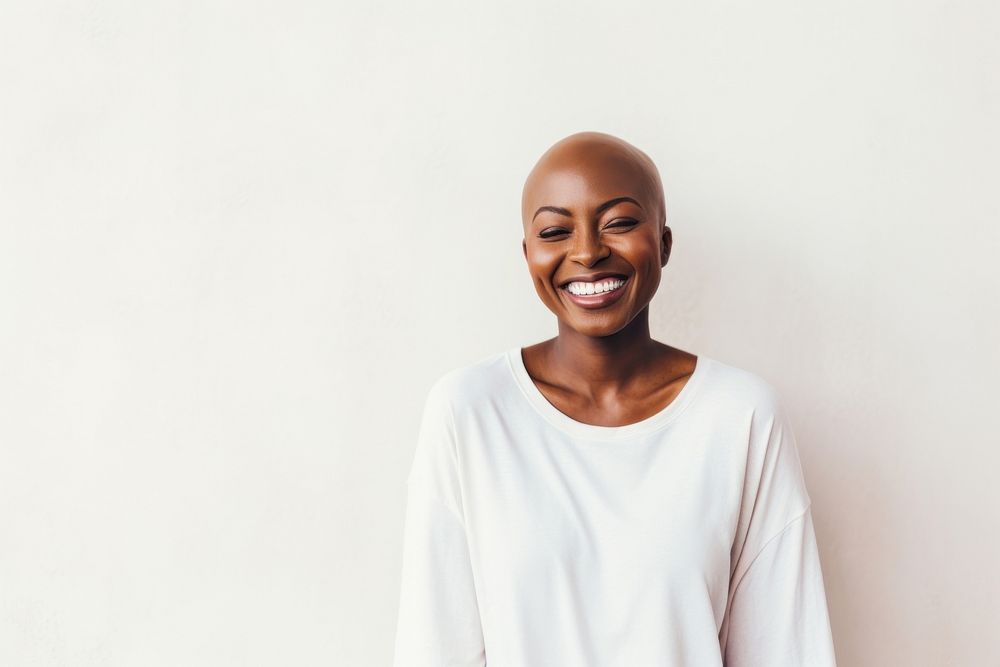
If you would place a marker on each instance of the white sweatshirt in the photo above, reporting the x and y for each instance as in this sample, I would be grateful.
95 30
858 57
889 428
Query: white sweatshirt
535 540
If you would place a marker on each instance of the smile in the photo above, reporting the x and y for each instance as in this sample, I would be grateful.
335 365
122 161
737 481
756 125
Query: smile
598 287
597 294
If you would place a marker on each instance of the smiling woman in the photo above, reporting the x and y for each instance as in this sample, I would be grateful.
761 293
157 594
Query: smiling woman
601 498
593 208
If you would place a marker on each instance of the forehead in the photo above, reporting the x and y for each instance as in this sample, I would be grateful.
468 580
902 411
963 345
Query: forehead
580 180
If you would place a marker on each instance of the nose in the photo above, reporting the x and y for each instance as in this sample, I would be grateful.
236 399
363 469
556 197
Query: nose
587 248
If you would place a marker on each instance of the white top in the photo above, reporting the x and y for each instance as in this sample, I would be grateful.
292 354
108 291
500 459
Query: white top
535 540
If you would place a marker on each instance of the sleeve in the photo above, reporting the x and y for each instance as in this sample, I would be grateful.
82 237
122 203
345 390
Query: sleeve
438 623
776 614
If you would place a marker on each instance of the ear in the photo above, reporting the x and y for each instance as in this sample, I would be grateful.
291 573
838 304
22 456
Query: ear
666 243
524 248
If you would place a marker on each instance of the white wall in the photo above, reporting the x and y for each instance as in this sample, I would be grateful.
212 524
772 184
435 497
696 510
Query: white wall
239 240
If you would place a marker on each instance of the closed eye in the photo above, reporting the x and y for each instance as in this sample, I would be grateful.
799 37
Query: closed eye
624 222
621 223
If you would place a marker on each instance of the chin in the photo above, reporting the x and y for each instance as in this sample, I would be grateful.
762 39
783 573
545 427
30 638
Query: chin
596 326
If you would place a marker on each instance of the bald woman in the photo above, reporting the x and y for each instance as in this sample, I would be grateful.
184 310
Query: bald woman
602 499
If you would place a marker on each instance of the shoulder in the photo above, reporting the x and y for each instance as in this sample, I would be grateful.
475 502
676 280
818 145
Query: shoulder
744 390
464 387
448 395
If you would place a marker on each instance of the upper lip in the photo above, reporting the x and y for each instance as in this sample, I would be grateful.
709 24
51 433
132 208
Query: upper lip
592 277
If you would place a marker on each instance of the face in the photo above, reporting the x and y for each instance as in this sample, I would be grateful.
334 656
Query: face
593 216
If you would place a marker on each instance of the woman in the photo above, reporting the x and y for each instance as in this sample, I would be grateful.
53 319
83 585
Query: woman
601 499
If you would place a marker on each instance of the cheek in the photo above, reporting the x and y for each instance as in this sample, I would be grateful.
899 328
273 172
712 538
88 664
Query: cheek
542 262
639 250
646 249
643 253
650 244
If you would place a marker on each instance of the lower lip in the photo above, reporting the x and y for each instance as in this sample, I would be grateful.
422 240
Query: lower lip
602 300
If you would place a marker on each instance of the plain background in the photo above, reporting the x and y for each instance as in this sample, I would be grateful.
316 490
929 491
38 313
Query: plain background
240 240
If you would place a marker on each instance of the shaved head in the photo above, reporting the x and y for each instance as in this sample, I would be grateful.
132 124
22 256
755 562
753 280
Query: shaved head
595 155
593 209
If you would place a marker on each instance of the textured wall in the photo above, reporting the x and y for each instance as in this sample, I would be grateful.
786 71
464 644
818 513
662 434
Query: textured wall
239 240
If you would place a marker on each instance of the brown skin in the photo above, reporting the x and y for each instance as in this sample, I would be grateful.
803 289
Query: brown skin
603 367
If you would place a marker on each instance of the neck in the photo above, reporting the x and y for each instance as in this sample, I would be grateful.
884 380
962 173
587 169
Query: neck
604 360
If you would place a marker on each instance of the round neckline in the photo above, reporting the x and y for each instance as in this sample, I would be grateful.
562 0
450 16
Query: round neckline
561 420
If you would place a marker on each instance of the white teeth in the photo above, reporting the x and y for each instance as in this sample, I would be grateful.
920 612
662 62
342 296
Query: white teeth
595 288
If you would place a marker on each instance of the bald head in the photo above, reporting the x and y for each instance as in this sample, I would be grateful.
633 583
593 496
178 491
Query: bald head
594 159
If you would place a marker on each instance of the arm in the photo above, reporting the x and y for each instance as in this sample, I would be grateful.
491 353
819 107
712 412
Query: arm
438 623
777 612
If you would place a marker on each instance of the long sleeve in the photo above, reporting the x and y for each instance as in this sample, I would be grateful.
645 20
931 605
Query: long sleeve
438 624
777 612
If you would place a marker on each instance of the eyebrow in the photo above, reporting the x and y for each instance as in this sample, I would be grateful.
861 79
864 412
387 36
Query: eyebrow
600 209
